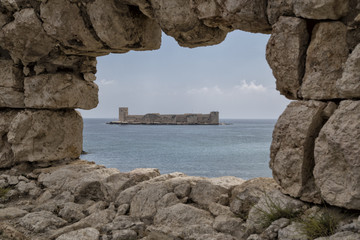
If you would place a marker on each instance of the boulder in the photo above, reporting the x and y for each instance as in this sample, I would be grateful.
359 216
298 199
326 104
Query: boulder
293 231
180 219
277 8
63 21
179 20
286 53
349 84
246 195
227 224
267 204
11 212
41 221
321 9
82 234
291 152
337 162
326 56
25 37
346 235
61 90
123 27
31 130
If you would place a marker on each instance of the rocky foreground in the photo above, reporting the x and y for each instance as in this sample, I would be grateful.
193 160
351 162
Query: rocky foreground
82 200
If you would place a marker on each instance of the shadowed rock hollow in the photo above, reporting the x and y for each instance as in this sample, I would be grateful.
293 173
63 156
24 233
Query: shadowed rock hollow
48 53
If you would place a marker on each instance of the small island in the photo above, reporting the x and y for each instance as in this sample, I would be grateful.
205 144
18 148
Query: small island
167 119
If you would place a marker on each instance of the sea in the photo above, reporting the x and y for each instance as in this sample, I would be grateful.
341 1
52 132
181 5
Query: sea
237 147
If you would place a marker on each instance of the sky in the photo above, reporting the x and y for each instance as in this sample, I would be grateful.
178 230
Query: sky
232 77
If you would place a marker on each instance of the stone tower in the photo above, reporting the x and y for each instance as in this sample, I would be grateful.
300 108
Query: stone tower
123 113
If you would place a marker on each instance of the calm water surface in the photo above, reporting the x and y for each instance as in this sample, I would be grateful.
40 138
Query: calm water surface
240 149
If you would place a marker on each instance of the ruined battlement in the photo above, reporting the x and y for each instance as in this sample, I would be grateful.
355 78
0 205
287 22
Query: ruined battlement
167 119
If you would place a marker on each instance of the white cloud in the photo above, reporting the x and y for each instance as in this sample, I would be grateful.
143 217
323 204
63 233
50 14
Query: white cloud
206 91
250 87
106 82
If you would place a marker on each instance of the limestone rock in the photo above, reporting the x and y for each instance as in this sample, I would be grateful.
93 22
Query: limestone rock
346 235
60 91
178 19
181 219
72 212
122 27
144 203
11 212
227 224
124 235
286 53
8 232
277 8
41 221
272 231
11 75
59 131
11 97
6 153
326 55
293 231
337 151
244 197
255 220
82 234
321 9
25 37
291 152
247 15
349 84
213 190
63 21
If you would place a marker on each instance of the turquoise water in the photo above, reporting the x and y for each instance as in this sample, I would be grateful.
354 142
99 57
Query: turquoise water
240 149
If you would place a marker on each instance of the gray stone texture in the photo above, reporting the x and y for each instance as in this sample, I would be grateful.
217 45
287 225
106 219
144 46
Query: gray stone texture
349 84
337 162
286 53
292 157
61 90
25 37
326 56
321 9
31 136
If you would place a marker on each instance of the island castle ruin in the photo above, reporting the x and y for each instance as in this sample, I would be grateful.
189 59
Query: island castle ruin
48 53
167 119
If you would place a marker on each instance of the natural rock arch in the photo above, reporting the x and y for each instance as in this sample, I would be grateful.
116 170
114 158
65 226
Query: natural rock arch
48 55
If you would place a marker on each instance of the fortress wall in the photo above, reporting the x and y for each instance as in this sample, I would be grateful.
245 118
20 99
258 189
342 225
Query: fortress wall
176 119
48 53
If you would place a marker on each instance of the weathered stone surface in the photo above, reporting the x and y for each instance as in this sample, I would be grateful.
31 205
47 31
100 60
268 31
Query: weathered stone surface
214 190
247 15
82 234
244 197
125 234
60 90
11 97
6 153
59 131
177 19
72 212
227 224
255 220
337 152
123 27
180 218
277 8
41 221
321 9
286 53
63 21
346 235
326 55
25 37
11 212
292 157
10 75
272 231
293 231
349 84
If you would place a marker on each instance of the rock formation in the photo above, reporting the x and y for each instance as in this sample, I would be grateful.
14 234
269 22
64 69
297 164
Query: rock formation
48 53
